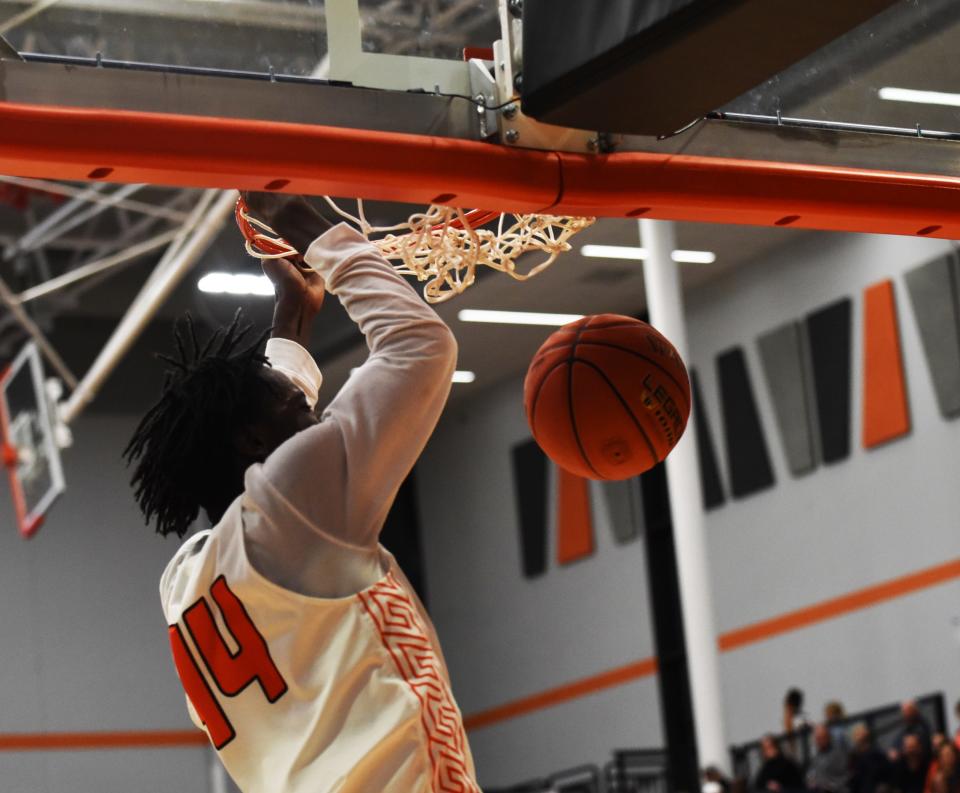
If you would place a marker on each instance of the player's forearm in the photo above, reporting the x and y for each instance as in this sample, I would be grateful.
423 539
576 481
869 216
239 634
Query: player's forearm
394 320
292 320
341 476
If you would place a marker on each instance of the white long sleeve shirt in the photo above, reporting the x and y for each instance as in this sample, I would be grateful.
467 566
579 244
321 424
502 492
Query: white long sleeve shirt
304 652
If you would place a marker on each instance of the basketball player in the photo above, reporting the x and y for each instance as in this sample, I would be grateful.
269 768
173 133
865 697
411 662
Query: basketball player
303 651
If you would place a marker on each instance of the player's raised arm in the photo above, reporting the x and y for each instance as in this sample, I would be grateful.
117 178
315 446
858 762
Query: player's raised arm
337 480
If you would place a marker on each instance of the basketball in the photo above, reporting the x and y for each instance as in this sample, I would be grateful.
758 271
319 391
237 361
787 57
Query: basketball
607 397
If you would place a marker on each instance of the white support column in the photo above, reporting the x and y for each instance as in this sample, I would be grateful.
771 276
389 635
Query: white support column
661 277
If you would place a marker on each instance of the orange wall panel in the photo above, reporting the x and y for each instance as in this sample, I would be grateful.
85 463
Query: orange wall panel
886 413
574 523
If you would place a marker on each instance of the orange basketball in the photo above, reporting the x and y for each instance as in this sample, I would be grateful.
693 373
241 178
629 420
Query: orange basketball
607 397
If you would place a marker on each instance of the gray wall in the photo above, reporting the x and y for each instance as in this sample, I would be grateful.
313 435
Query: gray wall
879 515
84 645
506 637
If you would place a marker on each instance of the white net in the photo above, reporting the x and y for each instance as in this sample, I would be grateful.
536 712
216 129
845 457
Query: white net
444 246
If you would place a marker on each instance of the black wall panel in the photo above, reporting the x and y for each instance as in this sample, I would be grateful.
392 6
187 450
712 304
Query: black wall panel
829 333
706 452
748 460
530 487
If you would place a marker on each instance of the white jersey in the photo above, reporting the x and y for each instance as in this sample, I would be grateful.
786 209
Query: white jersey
305 654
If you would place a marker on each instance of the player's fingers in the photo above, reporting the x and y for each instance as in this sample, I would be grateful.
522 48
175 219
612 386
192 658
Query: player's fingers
282 272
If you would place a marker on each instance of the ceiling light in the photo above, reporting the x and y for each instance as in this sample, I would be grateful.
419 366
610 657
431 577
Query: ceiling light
920 97
694 257
639 254
516 317
459 376
614 252
235 284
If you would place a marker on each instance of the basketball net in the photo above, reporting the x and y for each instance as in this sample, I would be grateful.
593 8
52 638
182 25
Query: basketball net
442 246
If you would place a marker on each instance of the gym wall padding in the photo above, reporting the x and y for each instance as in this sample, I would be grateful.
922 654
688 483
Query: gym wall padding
886 411
712 483
624 506
934 290
829 332
529 466
748 460
784 356
574 521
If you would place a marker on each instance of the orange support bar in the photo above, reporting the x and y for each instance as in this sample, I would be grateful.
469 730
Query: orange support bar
193 151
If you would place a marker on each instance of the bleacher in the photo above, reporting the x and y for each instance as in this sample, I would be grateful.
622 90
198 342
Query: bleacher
645 770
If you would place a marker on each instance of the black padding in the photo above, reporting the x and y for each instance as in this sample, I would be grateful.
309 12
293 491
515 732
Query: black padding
401 535
649 67
666 613
829 332
748 460
530 486
706 452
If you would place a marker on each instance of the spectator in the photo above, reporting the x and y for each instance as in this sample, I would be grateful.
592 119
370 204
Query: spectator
913 724
794 719
829 769
911 766
938 740
947 777
778 771
833 715
716 781
956 735
870 770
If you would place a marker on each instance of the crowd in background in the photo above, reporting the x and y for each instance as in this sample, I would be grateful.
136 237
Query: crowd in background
846 759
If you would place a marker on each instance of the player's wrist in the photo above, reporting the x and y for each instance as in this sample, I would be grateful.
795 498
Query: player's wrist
293 319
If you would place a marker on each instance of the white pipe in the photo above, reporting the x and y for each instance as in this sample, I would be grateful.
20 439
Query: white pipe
207 224
92 268
59 214
59 188
665 303
100 204
29 13
10 300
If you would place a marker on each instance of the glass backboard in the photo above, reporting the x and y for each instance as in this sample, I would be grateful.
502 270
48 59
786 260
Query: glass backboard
28 440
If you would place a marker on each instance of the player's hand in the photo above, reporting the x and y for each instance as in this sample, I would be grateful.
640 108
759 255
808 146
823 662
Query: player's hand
290 216
297 286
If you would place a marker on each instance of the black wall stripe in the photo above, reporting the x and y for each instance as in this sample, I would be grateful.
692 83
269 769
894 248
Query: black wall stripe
530 487
666 611
829 333
748 461
706 452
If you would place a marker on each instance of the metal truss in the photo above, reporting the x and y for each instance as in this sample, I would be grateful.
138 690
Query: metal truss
43 272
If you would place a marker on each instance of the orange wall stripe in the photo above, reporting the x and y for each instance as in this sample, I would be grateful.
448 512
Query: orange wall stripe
750 634
886 414
70 741
564 693
838 607
574 524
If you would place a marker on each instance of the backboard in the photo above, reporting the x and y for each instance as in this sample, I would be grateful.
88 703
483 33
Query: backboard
28 439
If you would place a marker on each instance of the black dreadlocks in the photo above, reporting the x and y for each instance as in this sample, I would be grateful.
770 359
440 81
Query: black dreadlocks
183 446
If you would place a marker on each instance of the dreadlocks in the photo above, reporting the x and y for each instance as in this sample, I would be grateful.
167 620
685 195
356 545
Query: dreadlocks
183 447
